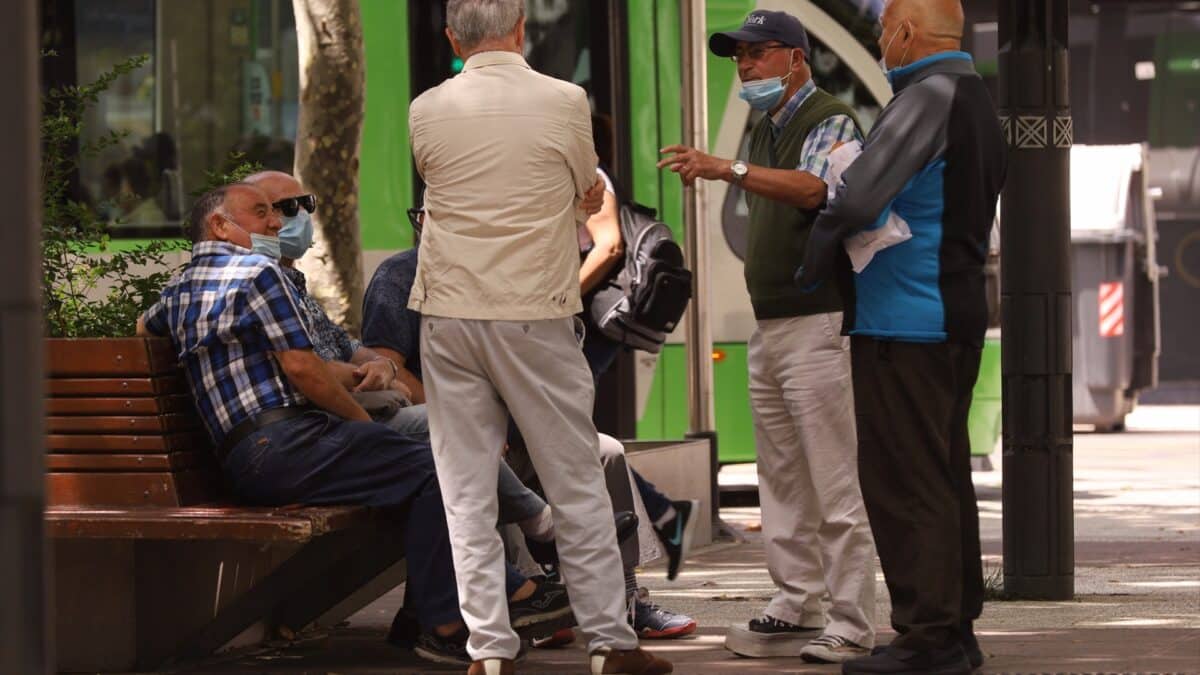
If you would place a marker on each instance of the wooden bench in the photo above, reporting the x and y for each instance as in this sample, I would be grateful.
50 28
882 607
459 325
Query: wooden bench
154 563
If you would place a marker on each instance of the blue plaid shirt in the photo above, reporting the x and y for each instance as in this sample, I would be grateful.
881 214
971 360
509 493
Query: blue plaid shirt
814 154
226 312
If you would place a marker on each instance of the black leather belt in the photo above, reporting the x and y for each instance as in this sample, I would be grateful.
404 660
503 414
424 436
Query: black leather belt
254 423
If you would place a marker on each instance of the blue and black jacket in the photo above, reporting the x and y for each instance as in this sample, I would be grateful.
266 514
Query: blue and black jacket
937 157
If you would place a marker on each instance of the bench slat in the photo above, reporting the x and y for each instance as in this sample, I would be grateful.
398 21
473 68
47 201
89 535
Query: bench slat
183 488
240 523
116 386
150 405
109 357
131 424
119 443
176 461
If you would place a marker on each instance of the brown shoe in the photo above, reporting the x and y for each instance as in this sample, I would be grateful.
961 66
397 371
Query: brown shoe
492 667
628 662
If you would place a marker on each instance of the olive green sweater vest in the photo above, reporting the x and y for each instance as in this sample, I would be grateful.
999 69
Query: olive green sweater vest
779 232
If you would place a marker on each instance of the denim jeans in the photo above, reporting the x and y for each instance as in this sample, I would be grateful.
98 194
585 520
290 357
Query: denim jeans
319 458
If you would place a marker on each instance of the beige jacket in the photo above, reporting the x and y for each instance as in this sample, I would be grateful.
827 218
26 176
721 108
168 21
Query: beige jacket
506 153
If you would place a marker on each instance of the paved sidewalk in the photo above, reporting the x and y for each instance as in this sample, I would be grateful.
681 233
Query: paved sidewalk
1137 605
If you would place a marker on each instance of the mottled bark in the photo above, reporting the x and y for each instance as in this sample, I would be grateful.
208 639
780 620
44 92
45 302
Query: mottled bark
332 84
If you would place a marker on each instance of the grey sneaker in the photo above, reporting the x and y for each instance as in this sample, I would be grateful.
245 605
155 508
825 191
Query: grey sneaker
768 637
831 648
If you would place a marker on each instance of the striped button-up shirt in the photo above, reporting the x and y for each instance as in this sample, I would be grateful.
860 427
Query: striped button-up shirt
814 154
226 312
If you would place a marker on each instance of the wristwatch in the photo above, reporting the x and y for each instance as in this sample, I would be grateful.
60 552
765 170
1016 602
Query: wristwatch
739 170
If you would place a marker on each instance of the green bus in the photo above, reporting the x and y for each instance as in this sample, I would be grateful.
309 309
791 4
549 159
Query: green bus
224 76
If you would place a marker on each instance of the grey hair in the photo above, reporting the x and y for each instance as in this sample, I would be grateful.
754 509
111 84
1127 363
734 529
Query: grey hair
210 202
474 21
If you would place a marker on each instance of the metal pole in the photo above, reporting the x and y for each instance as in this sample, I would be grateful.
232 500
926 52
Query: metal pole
1039 548
695 217
698 345
22 548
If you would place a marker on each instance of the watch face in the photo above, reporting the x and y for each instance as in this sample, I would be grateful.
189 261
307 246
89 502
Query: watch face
739 168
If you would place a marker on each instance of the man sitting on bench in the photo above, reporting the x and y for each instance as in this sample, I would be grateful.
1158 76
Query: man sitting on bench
285 431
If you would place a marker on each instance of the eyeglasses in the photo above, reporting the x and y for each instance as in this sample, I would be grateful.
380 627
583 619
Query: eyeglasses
415 217
291 206
755 53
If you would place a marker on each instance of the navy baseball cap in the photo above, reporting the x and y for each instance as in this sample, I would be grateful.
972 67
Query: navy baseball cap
760 26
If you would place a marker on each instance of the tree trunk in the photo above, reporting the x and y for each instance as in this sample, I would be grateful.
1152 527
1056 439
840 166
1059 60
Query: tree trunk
332 84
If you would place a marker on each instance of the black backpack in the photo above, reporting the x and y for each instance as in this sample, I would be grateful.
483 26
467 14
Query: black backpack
644 301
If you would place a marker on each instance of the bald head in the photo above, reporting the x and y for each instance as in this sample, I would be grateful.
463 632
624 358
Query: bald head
277 184
914 29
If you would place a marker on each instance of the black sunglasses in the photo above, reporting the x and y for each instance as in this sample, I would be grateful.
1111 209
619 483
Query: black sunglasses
414 217
291 206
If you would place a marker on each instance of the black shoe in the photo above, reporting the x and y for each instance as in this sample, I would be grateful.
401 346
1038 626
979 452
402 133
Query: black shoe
970 645
450 650
768 637
676 535
405 630
546 553
545 611
900 661
627 524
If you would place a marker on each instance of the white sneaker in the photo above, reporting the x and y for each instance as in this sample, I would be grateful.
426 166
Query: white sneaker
768 637
831 648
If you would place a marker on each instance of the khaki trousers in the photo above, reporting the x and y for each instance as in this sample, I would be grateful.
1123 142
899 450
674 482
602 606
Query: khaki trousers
815 529
476 372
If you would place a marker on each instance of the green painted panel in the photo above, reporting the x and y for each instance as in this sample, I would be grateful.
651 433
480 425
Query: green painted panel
666 414
670 106
984 421
385 162
643 101
675 401
731 391
722 15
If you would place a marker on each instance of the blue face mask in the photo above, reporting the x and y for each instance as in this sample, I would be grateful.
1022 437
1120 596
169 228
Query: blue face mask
296 235
264 245
763 94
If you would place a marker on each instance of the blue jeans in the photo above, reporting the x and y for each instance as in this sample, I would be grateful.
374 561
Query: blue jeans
319 458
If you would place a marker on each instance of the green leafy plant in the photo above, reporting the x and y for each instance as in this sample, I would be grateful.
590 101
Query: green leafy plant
236 168
89 289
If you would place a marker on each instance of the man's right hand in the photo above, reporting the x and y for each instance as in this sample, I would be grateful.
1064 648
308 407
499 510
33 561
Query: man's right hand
308 374
593 199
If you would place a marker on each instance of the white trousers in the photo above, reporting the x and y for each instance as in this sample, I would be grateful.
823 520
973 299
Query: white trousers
815 529
476 372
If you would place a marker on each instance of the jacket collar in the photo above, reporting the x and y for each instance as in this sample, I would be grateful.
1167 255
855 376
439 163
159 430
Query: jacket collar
495 58
942 62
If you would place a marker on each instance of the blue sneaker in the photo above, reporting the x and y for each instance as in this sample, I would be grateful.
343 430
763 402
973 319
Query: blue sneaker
655 623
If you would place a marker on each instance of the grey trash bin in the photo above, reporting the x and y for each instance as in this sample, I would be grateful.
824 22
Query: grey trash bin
1115 332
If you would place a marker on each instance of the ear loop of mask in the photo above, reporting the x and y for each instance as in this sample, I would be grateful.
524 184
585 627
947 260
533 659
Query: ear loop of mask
889 45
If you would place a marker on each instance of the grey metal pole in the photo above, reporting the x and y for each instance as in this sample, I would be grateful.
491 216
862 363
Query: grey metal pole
23 557
1039 548
695 212
698 345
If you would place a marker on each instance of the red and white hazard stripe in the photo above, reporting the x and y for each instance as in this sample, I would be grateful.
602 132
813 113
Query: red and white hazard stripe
1112 309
